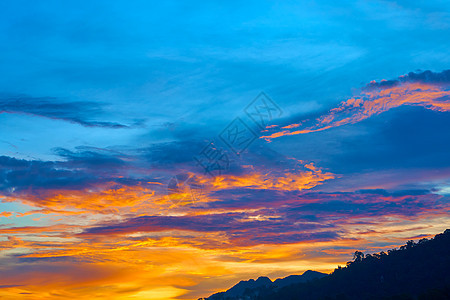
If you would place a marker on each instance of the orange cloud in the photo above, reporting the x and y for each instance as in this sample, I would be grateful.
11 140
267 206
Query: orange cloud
373 102
177 265
307 178
6 214
106 198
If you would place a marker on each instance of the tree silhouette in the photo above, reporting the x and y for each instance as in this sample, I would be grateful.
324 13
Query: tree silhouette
358 256
416 271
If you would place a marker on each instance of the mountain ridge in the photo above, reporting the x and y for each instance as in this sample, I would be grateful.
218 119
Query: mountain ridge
245 287
415 271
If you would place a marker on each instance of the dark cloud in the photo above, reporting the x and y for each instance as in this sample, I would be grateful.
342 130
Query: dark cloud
401 139
18 177
294 237
285 219
171 154
317 205
394 193
83 112
95 158
82 169
239 227
425 77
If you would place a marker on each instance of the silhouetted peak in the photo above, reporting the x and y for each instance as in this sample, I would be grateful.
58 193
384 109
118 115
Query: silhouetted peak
264 280
293 279
312 273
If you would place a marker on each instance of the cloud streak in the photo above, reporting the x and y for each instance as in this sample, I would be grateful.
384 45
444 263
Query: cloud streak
426 89
81 112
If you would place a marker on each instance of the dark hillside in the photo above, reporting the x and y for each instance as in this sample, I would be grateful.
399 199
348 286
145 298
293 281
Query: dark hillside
416 271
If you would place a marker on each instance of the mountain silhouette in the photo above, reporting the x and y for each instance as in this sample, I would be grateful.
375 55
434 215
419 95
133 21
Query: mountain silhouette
250 289
239 290
292 279
415 271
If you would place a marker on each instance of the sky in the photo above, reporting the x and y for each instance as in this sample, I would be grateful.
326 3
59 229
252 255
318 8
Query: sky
168 150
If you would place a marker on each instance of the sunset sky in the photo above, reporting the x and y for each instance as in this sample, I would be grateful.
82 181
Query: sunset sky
168 149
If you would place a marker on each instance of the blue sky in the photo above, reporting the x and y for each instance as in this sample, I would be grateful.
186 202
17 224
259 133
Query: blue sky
152 63
103 102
